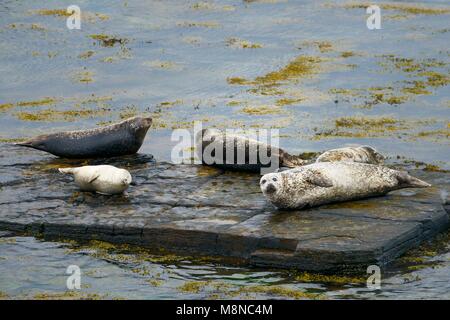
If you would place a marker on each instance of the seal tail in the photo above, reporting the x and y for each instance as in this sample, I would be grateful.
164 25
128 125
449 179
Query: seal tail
24 144
417 183
409 181
32 143
66 170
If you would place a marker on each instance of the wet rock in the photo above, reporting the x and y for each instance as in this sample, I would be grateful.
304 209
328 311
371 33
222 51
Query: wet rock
187 209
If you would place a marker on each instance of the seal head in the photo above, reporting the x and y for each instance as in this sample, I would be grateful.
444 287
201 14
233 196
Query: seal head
373 154
284 192
271 185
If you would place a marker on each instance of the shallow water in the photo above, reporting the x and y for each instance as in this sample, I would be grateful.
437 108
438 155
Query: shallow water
31 268
176 60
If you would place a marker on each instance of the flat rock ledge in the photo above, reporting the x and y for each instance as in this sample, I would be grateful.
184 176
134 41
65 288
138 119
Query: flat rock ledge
198 210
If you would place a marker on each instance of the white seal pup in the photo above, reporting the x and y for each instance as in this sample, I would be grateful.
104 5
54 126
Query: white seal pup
326 182
103 179
361 154
247 154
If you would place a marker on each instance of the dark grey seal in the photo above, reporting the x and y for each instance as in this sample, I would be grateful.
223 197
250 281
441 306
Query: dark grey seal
247 154
123 138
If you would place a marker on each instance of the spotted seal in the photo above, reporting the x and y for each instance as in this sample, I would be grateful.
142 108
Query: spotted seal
326 182
125 137
247 154
362 154
103 179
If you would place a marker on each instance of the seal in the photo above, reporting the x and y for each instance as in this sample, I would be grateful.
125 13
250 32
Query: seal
327 182
125 137
103 179
246 154
361 154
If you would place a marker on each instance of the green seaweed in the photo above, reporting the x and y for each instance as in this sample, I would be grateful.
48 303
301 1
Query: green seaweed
86 54
435 79
351 122
201 24
270 84
69 295
33 103
434 168
365 126
11 140
235 103
421 257
128 112
329 279
211 6
243 44
287 101
401 91
32 26
50 115
301 67
347 54
323 46
193 286
406 8
3 296
53 12
84 76
224 289
237 80
108 40
261 110
281 291
87 16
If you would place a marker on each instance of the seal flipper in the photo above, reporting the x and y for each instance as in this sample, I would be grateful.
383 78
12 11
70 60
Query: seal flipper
318 179
93 177
37 143
404 179
28 143
23 144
